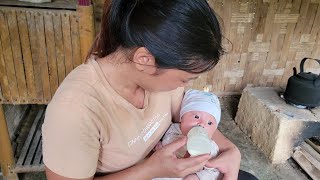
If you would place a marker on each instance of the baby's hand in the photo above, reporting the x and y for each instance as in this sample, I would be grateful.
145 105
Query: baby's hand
191 177
158 146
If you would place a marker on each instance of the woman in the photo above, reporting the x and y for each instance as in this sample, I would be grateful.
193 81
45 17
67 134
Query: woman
110 112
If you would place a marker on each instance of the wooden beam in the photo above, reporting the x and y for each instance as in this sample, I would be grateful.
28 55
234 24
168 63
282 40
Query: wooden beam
6 154
56 4
313 145
307 162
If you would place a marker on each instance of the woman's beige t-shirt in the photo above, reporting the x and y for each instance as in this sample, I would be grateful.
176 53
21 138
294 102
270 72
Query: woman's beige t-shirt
89 128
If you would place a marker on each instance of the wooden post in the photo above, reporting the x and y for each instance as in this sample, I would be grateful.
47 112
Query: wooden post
6 153
86 29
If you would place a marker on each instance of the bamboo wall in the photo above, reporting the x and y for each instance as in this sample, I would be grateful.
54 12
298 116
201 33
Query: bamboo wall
38 48
264 40
268 38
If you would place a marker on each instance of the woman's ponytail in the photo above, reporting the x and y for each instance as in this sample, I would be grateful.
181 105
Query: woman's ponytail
116 15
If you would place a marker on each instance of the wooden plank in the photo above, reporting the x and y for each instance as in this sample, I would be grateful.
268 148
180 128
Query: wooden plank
34 43
313 145
29 138
6 153
310 165
37 158
8 57
56 4
33 148
5 90
17 56
43 62
59 46
29 169
75 40
51 53
27 57
66 31
307 148
14 115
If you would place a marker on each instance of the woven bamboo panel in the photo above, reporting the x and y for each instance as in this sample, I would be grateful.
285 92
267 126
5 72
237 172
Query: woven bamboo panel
38 48
264 40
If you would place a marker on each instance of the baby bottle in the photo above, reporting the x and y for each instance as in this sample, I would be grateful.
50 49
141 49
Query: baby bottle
198 141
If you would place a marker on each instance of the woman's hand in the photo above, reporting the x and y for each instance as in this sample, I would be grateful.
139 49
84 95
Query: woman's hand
228 161
164 163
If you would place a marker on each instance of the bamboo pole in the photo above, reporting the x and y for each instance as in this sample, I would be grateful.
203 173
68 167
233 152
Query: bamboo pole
6 153
314 146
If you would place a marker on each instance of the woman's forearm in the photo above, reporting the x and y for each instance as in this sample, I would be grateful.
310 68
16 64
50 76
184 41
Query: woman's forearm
228 161
223 142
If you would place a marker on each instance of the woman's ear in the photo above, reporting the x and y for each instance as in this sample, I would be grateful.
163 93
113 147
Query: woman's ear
144 61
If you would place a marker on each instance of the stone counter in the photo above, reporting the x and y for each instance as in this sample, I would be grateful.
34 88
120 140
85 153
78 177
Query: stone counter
274 126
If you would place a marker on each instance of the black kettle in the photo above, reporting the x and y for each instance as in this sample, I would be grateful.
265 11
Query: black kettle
303 88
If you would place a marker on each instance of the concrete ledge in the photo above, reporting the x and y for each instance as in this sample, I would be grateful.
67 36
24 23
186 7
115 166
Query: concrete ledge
274 126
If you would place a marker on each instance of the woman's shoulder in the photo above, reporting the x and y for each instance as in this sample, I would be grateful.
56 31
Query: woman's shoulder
79 84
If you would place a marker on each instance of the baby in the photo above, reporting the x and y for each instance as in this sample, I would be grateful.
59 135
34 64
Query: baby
202 109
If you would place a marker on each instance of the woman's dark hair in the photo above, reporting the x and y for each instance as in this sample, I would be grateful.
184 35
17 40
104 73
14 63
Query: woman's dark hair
180 34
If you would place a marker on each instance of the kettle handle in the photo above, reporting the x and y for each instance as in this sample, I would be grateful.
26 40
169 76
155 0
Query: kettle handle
304 60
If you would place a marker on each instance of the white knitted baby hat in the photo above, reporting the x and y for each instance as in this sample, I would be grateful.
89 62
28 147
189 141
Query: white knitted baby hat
195 100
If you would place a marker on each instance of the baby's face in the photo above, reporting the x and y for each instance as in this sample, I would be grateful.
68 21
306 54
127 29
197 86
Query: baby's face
194 118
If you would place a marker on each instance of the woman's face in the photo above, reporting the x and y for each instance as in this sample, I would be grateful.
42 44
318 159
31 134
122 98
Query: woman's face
198 118
167 80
